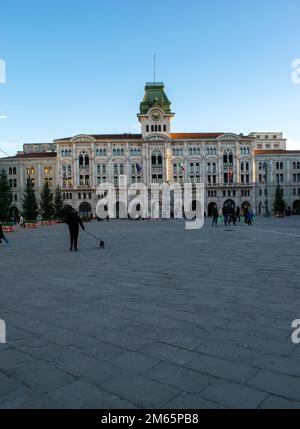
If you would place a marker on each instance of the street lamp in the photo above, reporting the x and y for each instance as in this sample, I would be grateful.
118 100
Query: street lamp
266 168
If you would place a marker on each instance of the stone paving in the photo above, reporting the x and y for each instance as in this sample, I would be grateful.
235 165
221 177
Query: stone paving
161 318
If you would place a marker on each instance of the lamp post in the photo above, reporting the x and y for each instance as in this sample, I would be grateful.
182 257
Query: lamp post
266 169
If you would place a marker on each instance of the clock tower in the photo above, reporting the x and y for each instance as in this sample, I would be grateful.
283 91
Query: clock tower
155 111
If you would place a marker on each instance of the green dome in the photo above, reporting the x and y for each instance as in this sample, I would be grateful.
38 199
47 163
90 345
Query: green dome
155 97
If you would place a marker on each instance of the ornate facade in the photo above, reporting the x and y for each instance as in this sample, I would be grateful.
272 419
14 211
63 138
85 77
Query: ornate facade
235 168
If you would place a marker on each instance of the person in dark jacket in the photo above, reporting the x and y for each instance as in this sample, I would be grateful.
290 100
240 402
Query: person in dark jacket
225 214
231 215
215 215
73 220
238 214
2 236
249 216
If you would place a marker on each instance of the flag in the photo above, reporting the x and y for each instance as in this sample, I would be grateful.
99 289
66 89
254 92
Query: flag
182 167
139 168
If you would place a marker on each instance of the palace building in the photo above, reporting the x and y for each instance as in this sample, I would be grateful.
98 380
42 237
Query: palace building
238 169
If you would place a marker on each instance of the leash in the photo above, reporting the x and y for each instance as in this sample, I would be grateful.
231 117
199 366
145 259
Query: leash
97 238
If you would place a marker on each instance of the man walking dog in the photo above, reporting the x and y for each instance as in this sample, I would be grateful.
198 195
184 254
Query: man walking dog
73 220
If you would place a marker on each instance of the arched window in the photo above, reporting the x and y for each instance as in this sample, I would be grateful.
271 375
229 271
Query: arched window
62 153
98 169
116 169
14 170
177 151
97 152
10 171
242 166
118 152
190 151
194 151
147 128
175 168
198 167
104 152
165 128
86 160
156 159
247 166
159 128
198 151
121 169
114 152
152 128
80 160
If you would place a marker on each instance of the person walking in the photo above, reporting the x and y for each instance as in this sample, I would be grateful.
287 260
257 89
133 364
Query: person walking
73 221
225 215
215 216
231 215
249 216
2 236
245 213
238 214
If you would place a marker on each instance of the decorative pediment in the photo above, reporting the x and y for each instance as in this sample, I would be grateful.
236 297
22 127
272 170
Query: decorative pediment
157 137
229 136
83 138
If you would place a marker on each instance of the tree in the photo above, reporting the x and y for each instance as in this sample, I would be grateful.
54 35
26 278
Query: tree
58 204
5 197
46 203
279 203
29 202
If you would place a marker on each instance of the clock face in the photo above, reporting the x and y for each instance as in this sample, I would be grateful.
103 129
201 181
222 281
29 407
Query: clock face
155 116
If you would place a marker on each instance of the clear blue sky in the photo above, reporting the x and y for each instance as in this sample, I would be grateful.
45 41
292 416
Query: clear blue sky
80 66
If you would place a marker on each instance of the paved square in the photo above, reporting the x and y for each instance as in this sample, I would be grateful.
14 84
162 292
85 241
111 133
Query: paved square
162 317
